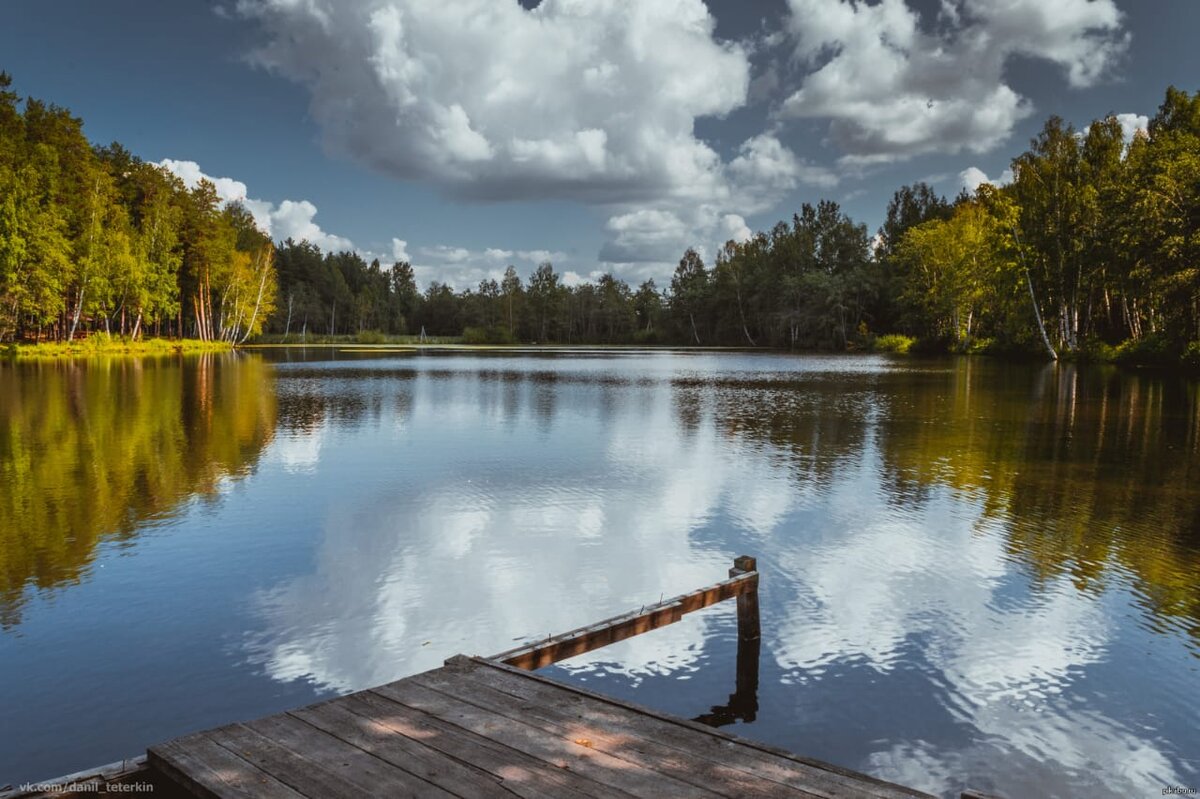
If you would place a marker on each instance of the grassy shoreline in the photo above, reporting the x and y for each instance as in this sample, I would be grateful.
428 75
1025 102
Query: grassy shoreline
1145 355
367 337
102 345
1149 354
1152 352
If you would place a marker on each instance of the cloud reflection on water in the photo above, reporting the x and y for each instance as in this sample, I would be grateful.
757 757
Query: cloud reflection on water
511 553
503 503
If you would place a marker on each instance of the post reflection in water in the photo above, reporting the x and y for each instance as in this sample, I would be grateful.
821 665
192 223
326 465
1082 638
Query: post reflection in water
743 702
972 573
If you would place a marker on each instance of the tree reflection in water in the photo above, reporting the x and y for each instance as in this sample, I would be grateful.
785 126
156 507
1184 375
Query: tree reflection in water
94 450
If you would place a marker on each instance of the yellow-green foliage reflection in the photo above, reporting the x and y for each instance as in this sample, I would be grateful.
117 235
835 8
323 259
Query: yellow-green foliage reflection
89 449
1091 472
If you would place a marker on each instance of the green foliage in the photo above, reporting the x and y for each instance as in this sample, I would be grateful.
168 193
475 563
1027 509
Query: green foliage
982 346
646 337
370 337
1094 351
957 272
1094 243
892 342
487 335
689 293
895 343
1191 356
106 344
1152 350
339 293
93 240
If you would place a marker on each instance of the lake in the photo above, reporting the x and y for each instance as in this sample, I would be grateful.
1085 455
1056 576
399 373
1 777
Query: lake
973 573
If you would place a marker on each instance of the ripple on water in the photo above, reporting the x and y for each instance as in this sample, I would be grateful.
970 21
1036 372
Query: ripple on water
973 574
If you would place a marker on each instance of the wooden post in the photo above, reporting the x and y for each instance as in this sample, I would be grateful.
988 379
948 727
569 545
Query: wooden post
745 698
743 702
747 602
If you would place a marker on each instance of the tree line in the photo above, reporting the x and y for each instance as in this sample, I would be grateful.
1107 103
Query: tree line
93 239
1094 243
1091 249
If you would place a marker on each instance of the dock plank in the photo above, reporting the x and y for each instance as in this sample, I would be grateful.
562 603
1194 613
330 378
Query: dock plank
300 773
638 780
615 717
554 714
522 774
206 769
339 758
373 734
476 729
865 785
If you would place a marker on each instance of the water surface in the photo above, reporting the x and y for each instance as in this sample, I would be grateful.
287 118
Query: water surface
973 573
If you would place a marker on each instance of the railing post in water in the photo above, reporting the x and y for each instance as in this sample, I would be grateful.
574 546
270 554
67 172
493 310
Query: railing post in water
747 601
744 701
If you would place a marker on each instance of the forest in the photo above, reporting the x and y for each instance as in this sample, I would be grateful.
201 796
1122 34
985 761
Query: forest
93 239
1092 251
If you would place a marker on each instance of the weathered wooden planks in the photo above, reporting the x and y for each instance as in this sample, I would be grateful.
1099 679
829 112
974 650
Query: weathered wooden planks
556 715
477 728
700 741
384 735
205 768
640 780
511 772
490 728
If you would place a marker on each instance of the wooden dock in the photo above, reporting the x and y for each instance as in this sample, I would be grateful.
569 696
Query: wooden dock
480 728
490 727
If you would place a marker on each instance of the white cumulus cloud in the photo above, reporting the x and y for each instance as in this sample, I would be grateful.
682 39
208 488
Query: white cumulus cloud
1131 124
464 268
735 228
400 250
595 102
291 219
294 220
447 254
763 162
973 177
895 84
649 242
598 102
646 234
587 100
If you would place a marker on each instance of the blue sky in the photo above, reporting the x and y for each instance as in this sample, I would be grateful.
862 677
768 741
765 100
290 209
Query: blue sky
469 134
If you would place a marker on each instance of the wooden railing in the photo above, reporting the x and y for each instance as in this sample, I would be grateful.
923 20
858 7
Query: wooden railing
742 585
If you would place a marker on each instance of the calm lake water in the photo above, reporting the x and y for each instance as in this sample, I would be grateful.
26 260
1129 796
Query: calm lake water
973 573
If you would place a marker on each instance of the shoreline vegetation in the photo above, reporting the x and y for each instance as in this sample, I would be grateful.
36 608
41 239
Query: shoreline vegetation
1090 253
891 344
102 345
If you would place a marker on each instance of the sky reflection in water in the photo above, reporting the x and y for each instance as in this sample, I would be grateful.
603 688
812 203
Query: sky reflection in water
972 573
